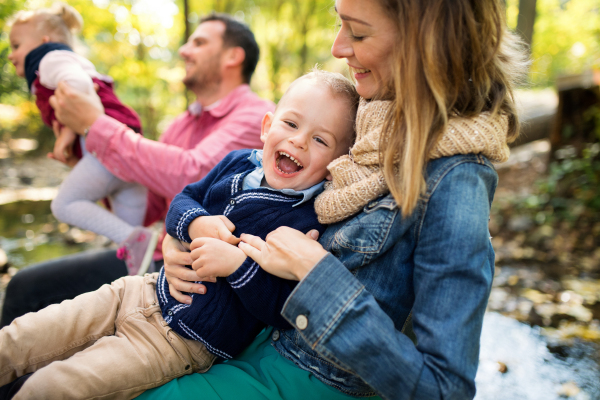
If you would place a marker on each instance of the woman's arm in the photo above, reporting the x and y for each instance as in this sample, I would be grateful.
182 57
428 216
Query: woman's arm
453 270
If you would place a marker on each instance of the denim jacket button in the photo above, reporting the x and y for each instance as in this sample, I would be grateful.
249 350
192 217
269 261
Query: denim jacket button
301 322
170 312
275 335
232 202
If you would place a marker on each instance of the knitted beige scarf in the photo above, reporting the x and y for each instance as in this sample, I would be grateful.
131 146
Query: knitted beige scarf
358 178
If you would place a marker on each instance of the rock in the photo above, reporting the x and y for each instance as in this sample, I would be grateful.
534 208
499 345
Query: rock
534 318
520 223
569 389
502 367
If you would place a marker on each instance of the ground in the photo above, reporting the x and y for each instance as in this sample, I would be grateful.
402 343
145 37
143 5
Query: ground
541 333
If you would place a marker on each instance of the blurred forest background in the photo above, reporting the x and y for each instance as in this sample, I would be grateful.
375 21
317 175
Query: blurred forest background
136 42
545 220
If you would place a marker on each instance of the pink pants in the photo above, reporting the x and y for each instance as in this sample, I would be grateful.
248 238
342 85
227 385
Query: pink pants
111 343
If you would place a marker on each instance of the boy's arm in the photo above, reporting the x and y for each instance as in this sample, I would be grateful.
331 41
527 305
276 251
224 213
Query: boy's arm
186 206
184 209
263 294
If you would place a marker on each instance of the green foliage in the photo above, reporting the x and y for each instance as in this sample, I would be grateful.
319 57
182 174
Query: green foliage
10 84
571 187
133 44
566 38
136 42
555 221
293 37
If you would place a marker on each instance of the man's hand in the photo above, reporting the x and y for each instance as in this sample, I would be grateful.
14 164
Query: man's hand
180 278
63 146
213 226
213 257
76 109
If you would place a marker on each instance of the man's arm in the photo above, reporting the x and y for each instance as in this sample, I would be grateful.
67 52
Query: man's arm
164 168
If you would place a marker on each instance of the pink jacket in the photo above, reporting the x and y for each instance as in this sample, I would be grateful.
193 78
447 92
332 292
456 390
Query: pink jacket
192 145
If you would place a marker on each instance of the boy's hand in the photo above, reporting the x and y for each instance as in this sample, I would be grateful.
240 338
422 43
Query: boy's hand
213 226
213 257
63 146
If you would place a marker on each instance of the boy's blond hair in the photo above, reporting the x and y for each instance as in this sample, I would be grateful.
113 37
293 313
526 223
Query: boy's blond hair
338 84
59 22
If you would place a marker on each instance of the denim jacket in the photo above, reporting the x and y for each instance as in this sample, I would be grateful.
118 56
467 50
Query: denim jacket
434 267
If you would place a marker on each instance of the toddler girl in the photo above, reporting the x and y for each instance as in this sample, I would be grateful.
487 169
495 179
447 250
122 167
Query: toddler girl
41 43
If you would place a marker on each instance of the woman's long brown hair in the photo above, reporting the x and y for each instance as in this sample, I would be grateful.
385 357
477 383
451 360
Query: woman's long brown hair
452 58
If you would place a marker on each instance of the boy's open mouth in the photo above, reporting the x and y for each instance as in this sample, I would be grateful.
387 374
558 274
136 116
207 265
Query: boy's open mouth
287 164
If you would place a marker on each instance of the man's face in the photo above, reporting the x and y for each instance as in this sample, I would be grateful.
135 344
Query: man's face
202 55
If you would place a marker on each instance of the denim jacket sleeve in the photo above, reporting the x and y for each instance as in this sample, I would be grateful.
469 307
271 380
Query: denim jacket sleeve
453 270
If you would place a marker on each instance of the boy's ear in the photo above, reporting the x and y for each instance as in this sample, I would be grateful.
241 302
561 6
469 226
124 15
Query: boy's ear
265 126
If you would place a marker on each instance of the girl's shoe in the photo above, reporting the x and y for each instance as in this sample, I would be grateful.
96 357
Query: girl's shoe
137 250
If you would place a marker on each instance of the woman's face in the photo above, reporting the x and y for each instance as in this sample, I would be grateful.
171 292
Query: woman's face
366 40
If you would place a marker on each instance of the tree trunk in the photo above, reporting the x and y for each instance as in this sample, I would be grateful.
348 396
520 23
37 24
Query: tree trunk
526 20
186 23
310 10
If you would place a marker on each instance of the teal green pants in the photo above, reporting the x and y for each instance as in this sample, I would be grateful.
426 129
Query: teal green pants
259 373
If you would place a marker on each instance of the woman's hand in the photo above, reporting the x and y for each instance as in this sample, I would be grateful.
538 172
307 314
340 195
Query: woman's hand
214 257
76 109
287 253
180 278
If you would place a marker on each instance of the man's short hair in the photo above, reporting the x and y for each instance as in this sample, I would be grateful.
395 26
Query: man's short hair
238 34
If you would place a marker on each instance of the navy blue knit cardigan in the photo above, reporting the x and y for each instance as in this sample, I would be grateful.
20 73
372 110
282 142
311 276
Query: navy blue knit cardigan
234 309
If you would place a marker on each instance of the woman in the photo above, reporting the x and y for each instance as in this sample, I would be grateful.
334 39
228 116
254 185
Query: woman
408 209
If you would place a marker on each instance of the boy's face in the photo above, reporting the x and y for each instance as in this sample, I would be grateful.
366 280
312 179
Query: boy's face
23 38
310 129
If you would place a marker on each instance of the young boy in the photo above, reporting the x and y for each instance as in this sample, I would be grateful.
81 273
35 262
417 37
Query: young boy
132 335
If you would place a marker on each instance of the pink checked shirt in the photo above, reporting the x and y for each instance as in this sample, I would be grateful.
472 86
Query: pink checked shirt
192 145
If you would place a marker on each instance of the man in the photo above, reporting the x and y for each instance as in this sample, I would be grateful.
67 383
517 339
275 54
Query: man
220 57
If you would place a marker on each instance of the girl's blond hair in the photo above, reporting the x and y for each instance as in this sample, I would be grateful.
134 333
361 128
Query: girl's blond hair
59 22
452 58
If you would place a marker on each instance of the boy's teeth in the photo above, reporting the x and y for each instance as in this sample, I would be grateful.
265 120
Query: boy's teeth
283 153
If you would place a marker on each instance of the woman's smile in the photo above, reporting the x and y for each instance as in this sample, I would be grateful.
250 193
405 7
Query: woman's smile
366 40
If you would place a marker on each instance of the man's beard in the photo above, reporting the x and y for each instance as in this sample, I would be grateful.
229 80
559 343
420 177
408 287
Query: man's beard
206 80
